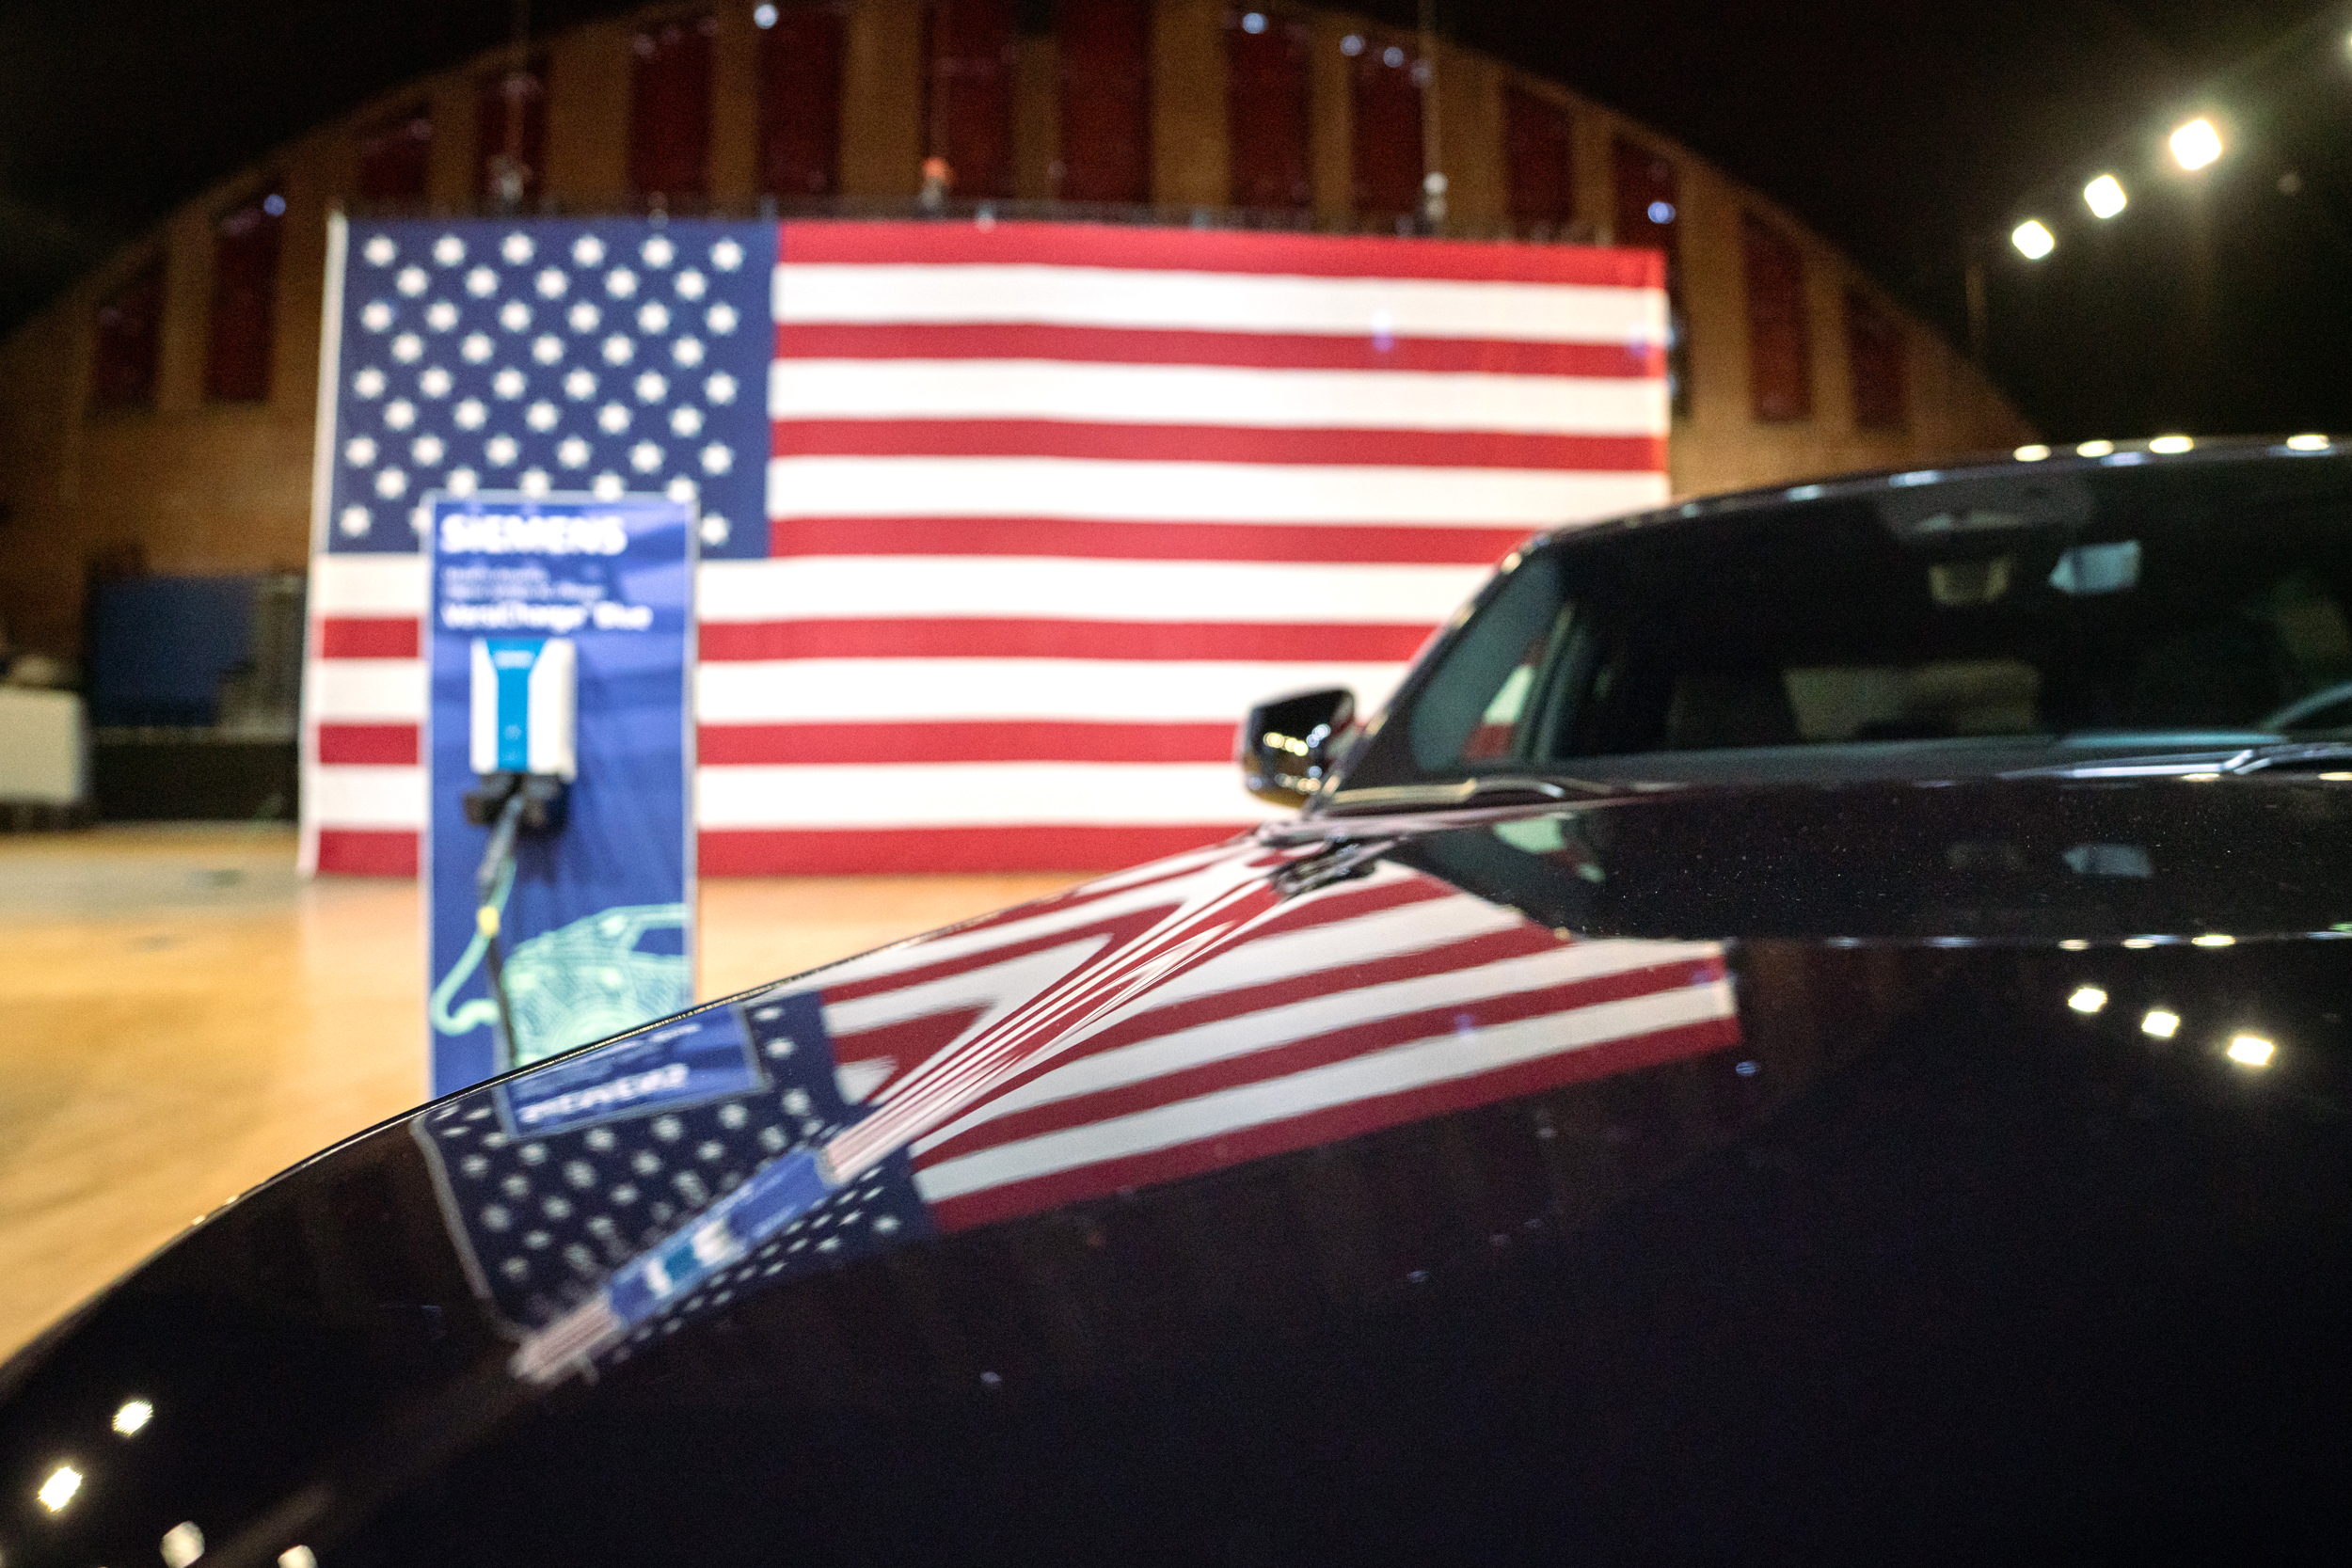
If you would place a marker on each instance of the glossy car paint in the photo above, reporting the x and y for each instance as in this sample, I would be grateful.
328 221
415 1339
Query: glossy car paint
1734 1173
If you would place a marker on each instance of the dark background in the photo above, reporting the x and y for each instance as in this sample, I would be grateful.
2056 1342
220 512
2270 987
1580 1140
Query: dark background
1905 134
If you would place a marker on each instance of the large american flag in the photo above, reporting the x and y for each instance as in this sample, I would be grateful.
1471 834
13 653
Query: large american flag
1004 525
1167 1021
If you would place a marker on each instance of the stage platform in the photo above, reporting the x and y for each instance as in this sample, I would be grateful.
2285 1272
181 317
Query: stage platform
182 1016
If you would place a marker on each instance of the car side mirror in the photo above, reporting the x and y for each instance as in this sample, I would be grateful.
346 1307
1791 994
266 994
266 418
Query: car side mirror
1286 745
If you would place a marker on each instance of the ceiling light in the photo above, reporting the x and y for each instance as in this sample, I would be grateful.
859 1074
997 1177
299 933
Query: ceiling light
2169 444
2195 144
2307 443
2105 196
2214 939
182 1543
59 1488
2088 999
2032 240
134 1414
2094 449
2032 452
2160 1024
2251 1051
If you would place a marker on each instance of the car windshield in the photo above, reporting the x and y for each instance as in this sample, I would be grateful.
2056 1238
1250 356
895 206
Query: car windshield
1981 623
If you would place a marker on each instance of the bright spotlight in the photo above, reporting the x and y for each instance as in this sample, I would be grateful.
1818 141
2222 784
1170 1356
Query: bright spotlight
2094 449
59 1488
2307 443
2105 196
2170 444
134 1414
2251 1051
2195 144
2087 999
2160 1024
2033 241
2032 452
182 1543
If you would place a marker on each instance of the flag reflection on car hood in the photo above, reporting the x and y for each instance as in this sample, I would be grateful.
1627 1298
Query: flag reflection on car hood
1171 1020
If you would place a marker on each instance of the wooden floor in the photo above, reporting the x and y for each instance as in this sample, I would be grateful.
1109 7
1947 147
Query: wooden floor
182 1016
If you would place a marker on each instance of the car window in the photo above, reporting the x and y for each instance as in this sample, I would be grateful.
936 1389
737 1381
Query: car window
2139 614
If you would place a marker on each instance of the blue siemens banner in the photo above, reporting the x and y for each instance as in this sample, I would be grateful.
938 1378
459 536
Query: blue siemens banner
561 627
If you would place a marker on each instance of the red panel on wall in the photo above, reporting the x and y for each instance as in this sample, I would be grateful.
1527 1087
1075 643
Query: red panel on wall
967 98
1780 346
1647 203
1266 110
129 332
396 155
510 133
246 244
669 117
1539 158
800 101
1879 356
1387 131
1106 100
1647 215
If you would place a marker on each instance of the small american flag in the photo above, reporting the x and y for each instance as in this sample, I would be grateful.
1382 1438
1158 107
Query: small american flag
1006 525
1161 1023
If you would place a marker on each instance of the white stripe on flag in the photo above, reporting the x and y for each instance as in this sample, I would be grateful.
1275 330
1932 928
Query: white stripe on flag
1423 1064
975 794
368 585
1213 395
1063 588
1118 491
348 795
773 691
365 690
1217 302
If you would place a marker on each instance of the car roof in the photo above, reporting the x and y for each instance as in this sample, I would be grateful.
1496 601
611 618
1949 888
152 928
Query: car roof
2171 452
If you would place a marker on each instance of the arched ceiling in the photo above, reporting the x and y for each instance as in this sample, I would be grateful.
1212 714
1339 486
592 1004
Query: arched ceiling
1898 131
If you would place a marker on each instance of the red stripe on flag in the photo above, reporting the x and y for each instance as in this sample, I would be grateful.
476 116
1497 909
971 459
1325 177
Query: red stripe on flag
368 745
1173 443
975 740
861 852
1264 351
1329 1125
1105 540
368 851
366 637
1078 245
958 637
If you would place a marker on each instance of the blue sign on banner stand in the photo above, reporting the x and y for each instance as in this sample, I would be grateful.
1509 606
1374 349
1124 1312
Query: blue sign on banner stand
560 641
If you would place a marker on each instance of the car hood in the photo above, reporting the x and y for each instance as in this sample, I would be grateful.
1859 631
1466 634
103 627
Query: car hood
1245 1102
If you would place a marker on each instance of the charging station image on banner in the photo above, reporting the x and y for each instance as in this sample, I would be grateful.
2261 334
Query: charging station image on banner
561 852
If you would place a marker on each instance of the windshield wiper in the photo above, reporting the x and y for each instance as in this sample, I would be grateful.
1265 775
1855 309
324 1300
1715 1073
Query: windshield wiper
2235 760
1492 789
